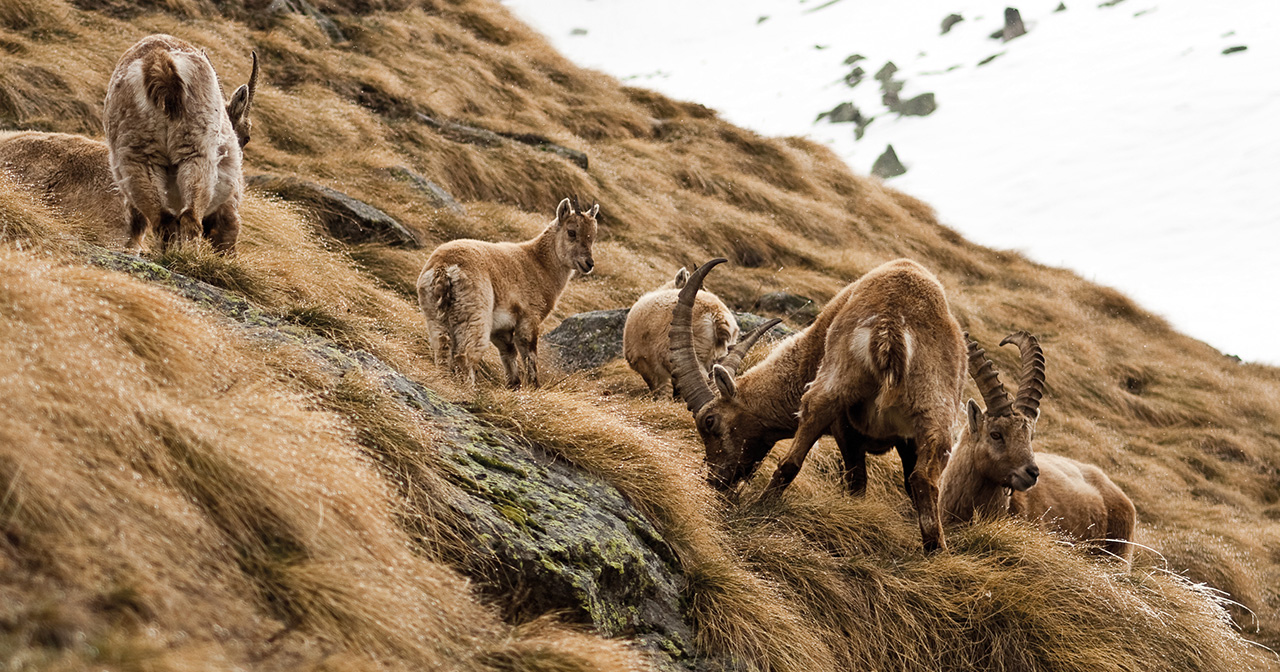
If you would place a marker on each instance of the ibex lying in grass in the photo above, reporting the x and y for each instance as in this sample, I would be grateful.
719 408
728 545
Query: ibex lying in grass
175 149
646 335
993 470
471 291
882 366
70 173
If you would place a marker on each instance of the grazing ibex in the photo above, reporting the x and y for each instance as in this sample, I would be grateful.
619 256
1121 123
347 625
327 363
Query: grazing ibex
70 173
881 367
993 470
646 335
175 148
472 291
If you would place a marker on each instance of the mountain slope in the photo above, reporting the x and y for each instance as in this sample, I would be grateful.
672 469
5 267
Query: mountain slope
176 496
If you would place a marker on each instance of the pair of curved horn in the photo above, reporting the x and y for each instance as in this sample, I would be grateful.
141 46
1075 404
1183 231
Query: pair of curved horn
1030 388
689 375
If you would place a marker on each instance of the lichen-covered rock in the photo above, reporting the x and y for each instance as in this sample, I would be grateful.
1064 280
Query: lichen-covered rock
567 540
434 193
800 309
590 340
343 217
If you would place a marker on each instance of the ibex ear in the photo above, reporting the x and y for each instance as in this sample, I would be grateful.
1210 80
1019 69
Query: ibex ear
238 105
724 382
975 416
682 277
595 210
563 210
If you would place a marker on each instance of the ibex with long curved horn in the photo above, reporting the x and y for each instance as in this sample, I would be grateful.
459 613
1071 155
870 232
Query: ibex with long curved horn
175 148
881 367
993 470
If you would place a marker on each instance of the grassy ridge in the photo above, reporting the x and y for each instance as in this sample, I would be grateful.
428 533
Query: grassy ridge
156 469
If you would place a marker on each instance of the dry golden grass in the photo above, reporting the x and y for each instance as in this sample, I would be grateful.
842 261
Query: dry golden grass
156 469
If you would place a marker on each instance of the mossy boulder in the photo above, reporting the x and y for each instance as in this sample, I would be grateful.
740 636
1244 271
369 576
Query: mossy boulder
565 540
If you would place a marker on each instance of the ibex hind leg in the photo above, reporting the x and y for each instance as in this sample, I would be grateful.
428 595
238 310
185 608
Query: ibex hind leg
508 351
528 347
932 443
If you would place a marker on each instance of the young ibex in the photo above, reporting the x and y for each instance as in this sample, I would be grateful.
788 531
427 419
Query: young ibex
70 173
646 335
881 367
175 149
471 291
993 470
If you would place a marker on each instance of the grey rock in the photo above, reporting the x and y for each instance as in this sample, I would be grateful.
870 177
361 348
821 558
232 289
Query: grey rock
888 165
434 193
485 138
800 309
1013 26
950 21
853 58
593 339
1062 7
842 114
920 106
855 76
578 31
569 541
1234 50
886 72
326 24
990 58
343 217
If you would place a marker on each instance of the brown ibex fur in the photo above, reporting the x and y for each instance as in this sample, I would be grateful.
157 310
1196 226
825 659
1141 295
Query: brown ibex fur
993 470
646 334
881 367
472 291
71 174
175 147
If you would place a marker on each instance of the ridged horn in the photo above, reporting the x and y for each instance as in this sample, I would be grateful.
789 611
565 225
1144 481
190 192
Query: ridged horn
984 374
738 351
690 378
1031 387
253 84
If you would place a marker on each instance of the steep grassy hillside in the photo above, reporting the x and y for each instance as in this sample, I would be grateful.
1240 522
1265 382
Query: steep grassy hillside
176 495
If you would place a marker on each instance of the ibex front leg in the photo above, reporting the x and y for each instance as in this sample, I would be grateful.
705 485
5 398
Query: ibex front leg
933 443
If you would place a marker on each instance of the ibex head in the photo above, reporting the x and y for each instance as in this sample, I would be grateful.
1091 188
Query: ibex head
241 102
734 437
1001 437
575 234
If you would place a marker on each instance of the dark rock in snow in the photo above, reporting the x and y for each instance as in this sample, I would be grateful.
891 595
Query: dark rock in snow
951 20
921 106
326 24
578 31
1062 7
853 58
990 58
888 165
855 76
434 193
1234 50
842 114
1012 26
886 72
343 217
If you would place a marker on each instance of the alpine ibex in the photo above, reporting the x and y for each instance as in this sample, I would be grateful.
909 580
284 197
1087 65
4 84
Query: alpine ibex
646 334
993 470
881 367
70 173
175 148
471 291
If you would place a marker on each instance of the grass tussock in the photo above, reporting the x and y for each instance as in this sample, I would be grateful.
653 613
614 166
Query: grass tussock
157 470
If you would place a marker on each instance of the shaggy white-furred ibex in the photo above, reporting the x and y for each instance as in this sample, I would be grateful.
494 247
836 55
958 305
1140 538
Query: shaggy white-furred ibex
993 470
472 291
646 335
175 148
881 367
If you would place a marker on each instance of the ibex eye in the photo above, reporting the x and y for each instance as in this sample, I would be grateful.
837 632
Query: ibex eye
573 235
996 436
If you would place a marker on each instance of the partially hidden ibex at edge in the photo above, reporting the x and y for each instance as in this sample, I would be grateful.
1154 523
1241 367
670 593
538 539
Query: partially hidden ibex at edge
175 147
881 367
993 470
646 334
